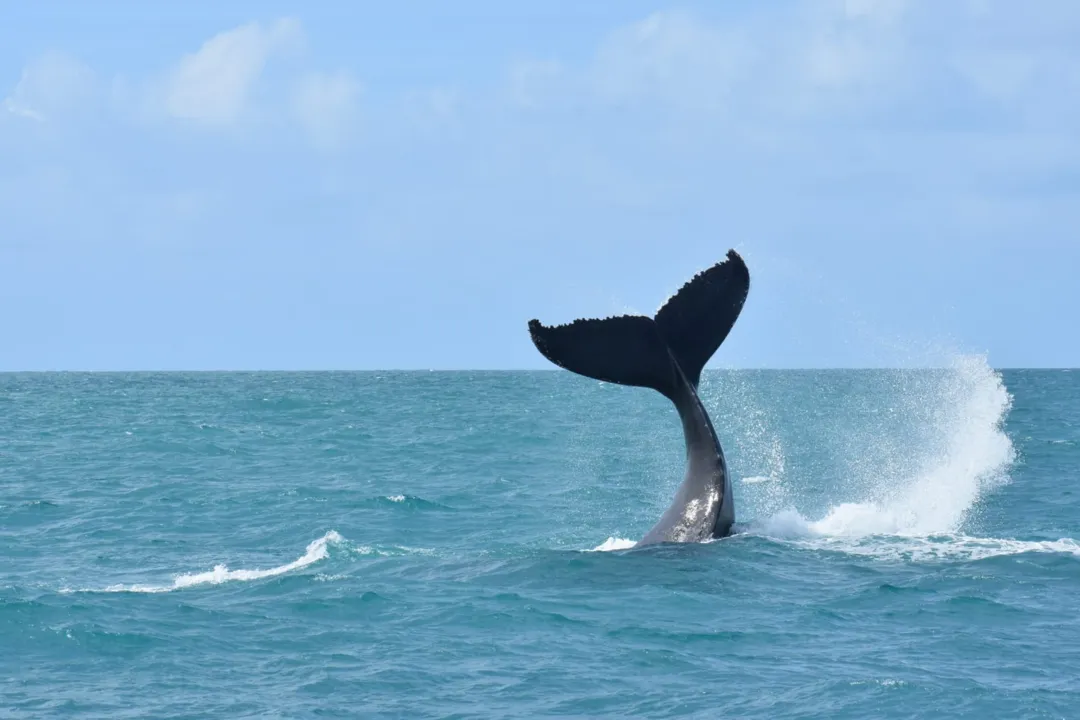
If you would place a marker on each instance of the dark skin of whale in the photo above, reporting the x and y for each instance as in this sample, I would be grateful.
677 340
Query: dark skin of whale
703 506
667 353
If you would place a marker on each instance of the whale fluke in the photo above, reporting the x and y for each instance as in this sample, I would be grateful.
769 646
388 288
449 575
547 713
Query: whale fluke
667 353
697 319
637 350
627 350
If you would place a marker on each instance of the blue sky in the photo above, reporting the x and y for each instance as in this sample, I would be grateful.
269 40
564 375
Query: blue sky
357 185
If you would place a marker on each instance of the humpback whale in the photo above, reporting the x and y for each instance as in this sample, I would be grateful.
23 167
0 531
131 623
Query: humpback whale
667 353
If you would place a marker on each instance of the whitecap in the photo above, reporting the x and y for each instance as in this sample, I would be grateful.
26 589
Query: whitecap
316 550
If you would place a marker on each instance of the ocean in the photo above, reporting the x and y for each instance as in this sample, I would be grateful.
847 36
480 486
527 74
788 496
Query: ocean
460 545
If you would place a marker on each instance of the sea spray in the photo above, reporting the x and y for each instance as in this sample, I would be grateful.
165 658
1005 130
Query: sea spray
960 452
894 452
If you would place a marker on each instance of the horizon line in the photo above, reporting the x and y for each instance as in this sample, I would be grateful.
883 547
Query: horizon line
174 371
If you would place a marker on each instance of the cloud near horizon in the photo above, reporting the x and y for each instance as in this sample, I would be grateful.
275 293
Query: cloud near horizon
52 83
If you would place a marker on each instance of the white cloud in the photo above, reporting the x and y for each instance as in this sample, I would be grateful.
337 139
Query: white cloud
219 85
52 85
669 56
859 50
819 59
325 104
927 101
804 61
214 85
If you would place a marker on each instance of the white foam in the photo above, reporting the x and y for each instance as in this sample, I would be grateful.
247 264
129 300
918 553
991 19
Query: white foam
396 498
614 543
757 479
793 529
316 550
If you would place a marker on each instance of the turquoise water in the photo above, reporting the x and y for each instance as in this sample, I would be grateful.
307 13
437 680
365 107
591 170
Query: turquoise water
458 545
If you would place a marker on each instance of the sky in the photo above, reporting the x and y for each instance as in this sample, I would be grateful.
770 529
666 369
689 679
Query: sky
349 186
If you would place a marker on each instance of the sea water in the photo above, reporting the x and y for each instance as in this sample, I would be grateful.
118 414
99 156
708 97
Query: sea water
461 545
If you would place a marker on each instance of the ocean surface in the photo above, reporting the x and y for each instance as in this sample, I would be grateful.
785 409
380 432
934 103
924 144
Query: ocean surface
295 545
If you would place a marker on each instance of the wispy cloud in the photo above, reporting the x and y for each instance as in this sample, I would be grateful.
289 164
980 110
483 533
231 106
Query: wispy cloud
793 61
946 106
214 85
52 84
669 57
883 62
221 84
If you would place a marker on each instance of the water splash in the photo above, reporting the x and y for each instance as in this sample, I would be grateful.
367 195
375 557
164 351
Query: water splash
959 453
921 449
754 449
919 490
754 480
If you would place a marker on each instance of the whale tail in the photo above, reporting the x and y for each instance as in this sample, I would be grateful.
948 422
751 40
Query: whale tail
642 351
